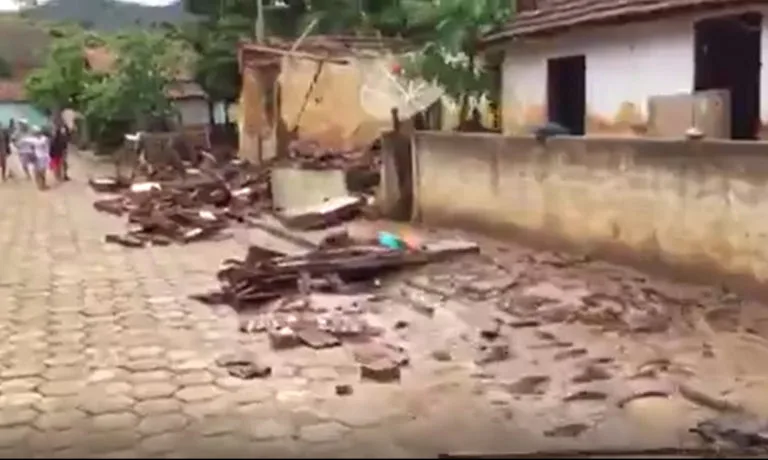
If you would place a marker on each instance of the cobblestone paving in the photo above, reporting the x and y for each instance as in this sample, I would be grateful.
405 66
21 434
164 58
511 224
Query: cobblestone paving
104 355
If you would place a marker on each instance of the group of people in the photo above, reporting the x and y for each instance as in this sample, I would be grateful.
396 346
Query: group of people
37 149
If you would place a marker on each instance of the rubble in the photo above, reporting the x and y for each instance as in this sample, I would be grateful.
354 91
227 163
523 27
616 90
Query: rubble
243 366
529 385
568 430
585 395
734 430
187 203
332 212
197 206
344 389
380 363
493 353
442 355
303 300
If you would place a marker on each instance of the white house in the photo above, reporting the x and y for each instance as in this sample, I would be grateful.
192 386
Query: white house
592 65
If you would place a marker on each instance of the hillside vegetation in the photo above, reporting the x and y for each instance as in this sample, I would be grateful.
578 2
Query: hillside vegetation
107 15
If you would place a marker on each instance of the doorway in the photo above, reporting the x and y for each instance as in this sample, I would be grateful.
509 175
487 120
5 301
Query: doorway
567 92
728 57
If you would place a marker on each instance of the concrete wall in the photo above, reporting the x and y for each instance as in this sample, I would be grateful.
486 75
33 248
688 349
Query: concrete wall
696 204
625 65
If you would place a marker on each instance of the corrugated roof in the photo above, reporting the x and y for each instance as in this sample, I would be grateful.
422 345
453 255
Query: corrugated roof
556 15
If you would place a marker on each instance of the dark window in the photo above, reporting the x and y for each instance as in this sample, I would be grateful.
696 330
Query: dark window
566 94
728 51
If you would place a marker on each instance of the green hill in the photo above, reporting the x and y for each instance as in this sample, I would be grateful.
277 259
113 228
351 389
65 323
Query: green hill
107 15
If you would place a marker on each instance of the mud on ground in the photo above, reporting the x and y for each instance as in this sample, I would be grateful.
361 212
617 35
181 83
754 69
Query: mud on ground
567 352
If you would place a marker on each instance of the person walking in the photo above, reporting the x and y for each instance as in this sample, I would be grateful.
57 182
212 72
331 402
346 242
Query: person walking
58 149
23 142
40 144
5 150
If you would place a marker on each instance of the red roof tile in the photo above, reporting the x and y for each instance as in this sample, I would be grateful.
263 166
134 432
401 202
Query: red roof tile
556 15
11 91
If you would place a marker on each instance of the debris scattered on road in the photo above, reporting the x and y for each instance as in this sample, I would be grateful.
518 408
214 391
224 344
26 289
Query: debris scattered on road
380 362
569 430
195 202
442 355
742 431
344 389
244 366
585 395
529 385
493 352
194 207
303 300
332 212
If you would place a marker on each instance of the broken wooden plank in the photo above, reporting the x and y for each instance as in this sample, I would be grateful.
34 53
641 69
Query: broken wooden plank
327 214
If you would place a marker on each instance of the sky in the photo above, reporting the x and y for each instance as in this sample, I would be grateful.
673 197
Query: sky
8 5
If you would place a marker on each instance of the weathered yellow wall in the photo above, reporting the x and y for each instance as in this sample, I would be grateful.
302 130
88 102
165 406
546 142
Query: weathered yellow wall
249 117
333 114
699 204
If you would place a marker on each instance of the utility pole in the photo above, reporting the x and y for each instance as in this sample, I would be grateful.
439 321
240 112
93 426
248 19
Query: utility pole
259 21
260 40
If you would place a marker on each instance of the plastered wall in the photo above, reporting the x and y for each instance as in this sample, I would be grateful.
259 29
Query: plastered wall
695 204
625 65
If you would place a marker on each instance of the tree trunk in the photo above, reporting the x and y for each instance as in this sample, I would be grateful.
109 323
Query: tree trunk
464 101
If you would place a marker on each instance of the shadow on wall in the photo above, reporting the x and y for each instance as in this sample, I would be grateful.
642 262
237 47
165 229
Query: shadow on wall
699 206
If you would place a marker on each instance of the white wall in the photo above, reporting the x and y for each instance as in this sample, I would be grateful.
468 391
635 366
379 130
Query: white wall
193 111
626 63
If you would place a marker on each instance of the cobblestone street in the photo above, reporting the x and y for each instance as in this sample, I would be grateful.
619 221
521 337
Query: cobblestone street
104 354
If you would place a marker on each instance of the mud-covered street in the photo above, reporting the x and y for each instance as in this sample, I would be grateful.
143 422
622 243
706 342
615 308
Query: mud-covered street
511 350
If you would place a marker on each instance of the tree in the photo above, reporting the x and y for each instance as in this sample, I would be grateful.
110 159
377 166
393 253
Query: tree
218 31
64 76
451 33
134 96
447 33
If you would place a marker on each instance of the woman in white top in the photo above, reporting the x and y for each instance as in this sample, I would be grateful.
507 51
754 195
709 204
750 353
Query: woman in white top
39 145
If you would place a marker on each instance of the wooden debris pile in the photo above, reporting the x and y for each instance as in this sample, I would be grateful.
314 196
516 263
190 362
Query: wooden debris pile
196 206
279 295
265 275
311 154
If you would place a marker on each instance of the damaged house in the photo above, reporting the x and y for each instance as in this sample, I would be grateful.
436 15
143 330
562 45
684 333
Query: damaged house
310 92
636 67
